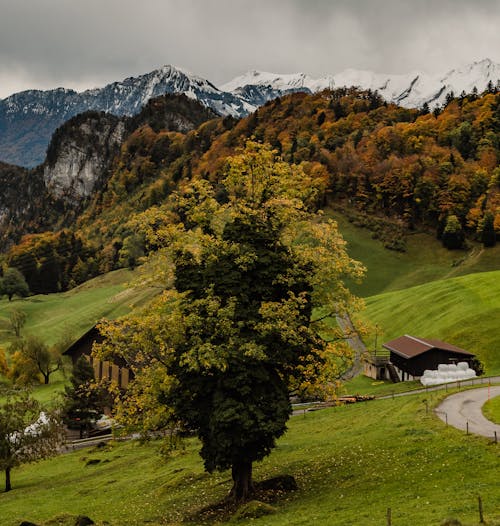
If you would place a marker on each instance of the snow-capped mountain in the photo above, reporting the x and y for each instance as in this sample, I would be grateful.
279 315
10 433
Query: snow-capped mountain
28 119
410 90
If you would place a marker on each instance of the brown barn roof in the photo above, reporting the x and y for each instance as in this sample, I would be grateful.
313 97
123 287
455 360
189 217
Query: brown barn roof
409 346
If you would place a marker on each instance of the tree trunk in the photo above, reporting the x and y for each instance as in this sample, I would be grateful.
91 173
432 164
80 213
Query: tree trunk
45 378
242 481
8 486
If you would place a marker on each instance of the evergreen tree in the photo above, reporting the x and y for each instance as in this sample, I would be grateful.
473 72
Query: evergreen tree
488 234
425 109
84 401
453 235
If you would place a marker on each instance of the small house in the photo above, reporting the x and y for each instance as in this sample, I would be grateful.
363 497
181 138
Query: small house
411 356
117 371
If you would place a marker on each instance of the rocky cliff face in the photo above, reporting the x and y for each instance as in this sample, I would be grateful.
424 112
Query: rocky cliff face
28 119
80 154
78 164
81 151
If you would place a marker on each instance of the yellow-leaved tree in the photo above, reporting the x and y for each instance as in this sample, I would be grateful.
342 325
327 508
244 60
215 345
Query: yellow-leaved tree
249 263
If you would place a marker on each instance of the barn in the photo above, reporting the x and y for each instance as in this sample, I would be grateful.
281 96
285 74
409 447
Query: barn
411 356
116 372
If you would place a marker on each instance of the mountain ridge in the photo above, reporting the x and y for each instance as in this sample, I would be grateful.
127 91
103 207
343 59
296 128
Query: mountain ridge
411 90
78 163
28 118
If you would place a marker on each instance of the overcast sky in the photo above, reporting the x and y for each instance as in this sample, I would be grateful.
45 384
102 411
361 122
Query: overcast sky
88 43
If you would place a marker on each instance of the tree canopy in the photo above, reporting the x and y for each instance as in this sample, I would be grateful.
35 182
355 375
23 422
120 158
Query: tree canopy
32 358
26 433
237 332
13 284
83 399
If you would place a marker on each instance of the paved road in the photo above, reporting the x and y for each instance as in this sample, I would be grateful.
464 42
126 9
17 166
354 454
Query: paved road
465 407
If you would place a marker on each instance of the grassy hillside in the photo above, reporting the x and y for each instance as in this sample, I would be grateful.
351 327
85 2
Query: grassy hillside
54 316
491 410
351 463
425 260
464 311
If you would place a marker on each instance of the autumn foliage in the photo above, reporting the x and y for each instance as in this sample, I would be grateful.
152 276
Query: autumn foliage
391 169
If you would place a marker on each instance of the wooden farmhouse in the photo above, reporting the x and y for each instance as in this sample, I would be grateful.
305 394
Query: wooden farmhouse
116 371
411 356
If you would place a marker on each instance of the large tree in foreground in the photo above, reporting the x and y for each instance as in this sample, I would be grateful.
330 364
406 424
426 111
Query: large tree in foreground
26 433
239 334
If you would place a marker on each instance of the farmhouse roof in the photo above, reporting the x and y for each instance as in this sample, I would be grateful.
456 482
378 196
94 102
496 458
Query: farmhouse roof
410 346
90 335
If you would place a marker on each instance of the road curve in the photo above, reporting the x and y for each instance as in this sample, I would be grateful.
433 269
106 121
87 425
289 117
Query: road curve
465 407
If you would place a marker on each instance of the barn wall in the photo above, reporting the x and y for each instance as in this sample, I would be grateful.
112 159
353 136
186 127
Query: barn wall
428 360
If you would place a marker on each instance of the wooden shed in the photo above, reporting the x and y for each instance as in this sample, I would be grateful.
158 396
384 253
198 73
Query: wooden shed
411 356
116 371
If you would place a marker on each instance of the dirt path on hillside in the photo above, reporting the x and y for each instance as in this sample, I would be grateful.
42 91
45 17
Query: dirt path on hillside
356 344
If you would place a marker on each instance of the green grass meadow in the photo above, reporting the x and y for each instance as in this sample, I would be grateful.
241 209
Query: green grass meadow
464 311
425 260
351 463
53 317
491 410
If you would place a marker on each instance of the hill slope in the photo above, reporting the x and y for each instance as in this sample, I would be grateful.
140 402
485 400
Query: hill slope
78 164
424 260
351 463
53 317
463 311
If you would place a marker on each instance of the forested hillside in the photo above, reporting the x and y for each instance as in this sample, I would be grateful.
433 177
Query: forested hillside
391 169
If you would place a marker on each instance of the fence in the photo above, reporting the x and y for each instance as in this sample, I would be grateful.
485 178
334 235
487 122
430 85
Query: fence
479 509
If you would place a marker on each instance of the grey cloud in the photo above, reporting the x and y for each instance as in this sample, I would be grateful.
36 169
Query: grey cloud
46 43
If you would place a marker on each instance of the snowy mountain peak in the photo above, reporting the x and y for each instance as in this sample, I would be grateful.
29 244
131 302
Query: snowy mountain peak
28 119
412 89
264 78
